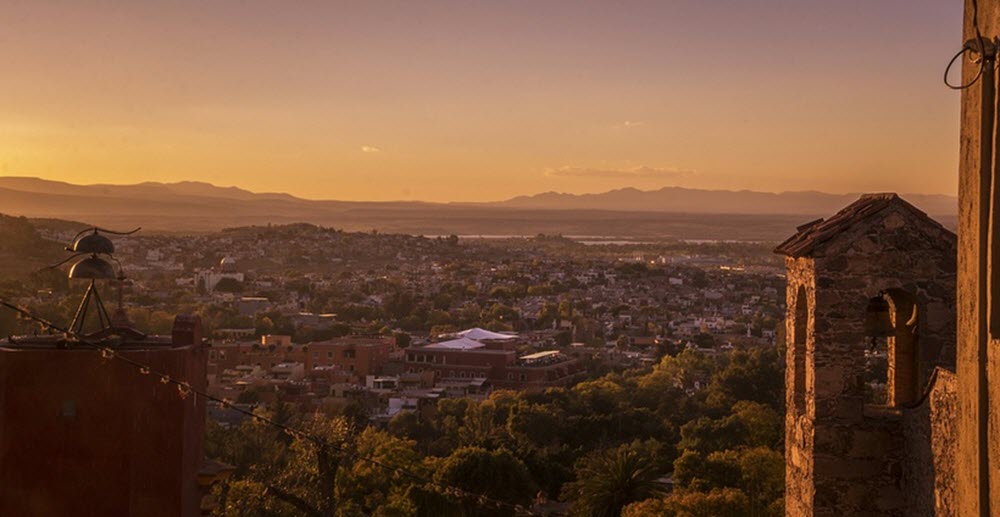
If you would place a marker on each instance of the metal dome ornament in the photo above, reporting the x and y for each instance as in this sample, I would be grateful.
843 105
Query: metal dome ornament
92 243
93 268
97 251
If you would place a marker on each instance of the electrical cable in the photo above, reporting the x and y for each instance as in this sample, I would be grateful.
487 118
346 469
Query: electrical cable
966 48
96 229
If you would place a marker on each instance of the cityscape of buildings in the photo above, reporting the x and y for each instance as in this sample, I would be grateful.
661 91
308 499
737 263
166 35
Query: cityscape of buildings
327 318
381 325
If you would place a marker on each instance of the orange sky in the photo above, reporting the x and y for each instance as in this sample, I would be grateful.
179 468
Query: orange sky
469 100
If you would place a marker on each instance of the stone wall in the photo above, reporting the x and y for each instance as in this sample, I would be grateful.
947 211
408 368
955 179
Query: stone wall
929 466
799 490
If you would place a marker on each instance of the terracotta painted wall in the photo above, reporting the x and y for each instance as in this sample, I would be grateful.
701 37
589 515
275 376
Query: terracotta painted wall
86 436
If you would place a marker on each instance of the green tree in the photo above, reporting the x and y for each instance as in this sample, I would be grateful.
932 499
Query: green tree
408 425
303 482
610 480
498 474
480 426
400 304
704 340
762 479
699 472
725 502
758 375
535 424
442 301
759 474
764 426
402 339
367 489
706 435
547 314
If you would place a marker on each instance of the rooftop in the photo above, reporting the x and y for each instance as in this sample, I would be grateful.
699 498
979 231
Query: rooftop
479 334
60 341
540 355
813 235
462 343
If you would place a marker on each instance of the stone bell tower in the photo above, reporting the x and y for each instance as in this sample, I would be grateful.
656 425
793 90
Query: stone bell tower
880 257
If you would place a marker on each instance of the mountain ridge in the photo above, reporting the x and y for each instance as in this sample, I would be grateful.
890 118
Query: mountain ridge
665 213
665 199
689 200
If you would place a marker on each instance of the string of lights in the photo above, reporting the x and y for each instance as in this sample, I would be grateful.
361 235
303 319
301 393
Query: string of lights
185 389
978 46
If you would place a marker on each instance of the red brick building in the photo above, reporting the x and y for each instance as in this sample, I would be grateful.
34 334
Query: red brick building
360 355
84 435
465 358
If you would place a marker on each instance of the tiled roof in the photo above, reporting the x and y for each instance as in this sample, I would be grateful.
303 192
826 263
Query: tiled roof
814 234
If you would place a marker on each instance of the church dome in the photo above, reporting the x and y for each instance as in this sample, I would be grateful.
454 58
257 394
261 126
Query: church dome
228 264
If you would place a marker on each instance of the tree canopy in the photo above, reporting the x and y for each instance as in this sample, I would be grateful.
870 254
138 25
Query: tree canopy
709 424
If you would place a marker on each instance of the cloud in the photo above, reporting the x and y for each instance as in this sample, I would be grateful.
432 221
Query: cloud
370 149
644 171
630 124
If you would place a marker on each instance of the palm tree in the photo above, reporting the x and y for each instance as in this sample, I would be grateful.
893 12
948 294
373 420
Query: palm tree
609 480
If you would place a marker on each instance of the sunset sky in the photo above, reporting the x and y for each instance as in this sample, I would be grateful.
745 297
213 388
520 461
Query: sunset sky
482 100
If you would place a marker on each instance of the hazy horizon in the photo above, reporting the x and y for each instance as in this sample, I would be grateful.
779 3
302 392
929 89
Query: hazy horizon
669 212
182 181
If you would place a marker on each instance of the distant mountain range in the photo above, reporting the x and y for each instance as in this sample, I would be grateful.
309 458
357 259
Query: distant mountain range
665 213
685 200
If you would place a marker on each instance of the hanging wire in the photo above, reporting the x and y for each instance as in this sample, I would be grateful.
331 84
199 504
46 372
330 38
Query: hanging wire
185 389
979 47
96 229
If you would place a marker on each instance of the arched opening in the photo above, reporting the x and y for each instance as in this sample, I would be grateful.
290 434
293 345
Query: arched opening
800 332
892 375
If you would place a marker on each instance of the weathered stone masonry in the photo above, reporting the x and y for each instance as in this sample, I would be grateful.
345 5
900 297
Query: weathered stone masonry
843 457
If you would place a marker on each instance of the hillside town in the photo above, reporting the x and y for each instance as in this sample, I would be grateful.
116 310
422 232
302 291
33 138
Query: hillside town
382 324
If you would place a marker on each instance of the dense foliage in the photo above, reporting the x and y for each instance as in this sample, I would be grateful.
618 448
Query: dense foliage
710 423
